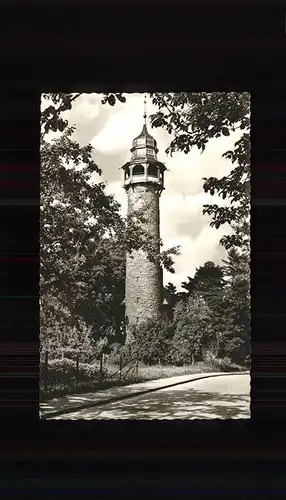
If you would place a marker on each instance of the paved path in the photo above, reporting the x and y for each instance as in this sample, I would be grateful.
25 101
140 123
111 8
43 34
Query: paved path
75 401
222 397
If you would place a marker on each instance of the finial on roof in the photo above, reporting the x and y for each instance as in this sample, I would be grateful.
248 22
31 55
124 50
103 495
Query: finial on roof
145 113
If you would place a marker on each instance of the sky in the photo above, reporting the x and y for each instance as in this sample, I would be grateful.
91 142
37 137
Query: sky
110 130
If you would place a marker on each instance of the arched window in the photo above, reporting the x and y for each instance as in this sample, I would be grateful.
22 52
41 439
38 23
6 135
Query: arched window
138 170
127 173
152 170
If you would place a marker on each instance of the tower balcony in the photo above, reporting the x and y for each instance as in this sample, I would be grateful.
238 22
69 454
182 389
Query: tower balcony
141 179
146 172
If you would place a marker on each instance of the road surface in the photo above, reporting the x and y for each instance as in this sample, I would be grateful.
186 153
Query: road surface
220 397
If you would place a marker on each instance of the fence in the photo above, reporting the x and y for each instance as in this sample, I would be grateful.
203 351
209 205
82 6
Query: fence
69 366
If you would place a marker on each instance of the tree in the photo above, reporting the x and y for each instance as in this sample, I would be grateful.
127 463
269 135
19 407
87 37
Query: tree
229 303
189 285
80 225
83 238
170 293
192 330
207 281
225 291
194 119
170 289
237 272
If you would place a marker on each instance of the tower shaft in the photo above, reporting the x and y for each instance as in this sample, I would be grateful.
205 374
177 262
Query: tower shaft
143 292
143 183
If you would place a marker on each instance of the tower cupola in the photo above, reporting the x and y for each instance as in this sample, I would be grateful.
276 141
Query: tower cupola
144 167
144 145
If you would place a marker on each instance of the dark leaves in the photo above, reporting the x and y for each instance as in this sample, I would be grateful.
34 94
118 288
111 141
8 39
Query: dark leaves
51 116
225 131
111 99
194 119
120 97
61 124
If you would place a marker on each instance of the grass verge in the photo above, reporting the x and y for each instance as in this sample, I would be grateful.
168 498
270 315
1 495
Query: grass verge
157 371
60 388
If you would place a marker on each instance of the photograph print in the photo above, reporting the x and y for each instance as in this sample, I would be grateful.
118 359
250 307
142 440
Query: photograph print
145 256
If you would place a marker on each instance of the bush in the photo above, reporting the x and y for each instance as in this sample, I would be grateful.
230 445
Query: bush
89 357
220 364
58 333
237 348
119 353
63 373
181 352
152 341
192 331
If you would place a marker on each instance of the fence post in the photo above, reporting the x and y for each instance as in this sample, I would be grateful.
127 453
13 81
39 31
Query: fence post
120 365
101 367
77 369
46 369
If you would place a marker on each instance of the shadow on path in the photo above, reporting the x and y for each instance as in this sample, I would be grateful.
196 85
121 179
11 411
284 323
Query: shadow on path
71 403
172 404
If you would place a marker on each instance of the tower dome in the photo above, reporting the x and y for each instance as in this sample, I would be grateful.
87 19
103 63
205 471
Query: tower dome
144 146
144 139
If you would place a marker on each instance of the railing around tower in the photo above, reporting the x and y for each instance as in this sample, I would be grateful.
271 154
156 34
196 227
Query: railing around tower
143 178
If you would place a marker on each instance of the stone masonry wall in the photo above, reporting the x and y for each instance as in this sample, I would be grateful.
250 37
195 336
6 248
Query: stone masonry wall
143 278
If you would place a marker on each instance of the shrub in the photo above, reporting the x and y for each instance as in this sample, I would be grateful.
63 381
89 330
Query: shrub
192 331
152 341
182 351
59 335
220 364
119 353
64 373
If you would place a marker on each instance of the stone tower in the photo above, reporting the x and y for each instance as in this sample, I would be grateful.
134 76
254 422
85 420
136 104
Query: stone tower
144 183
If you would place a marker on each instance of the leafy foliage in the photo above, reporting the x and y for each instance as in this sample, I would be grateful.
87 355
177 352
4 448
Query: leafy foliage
60 337
194 119
222 296
63 375
192 330
81 264
151 341
170 293
51 119
237 270
206 281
